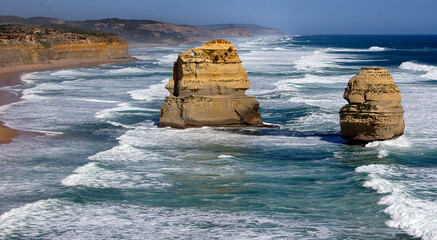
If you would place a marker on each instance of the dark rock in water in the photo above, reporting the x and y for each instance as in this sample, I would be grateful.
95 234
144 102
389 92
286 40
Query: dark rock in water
374 111
208 89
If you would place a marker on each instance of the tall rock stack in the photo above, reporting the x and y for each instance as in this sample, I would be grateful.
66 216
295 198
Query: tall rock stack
374 111
208 89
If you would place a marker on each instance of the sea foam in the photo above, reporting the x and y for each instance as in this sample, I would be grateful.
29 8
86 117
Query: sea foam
63 219
119 110
409 202
400 142
376 49
430 71
155 91
385 147
93 175
127 71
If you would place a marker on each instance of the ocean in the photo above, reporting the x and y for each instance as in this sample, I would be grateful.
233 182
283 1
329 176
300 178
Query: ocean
103 170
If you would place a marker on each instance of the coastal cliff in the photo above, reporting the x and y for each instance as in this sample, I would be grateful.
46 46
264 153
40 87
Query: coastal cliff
256 30
208 89
374 111
21 45
149 31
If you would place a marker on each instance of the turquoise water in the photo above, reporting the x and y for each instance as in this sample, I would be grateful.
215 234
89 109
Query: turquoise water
104 170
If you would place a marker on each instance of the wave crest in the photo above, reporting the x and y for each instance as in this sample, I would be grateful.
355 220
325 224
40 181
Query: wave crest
410 205
377 49
430 71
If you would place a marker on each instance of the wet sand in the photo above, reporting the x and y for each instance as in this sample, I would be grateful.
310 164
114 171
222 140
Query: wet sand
11 76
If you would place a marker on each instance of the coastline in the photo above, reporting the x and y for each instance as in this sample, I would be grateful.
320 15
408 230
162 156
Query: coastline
11 76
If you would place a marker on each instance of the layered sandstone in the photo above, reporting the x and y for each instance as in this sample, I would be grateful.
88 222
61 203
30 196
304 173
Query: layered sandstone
208 89
21 45
374 111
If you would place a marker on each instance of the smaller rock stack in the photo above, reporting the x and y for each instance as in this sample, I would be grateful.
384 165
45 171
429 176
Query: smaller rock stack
208 89
374 111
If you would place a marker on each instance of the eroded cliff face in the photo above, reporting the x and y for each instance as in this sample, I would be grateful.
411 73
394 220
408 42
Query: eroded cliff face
32 45
208 89
148 31
374 111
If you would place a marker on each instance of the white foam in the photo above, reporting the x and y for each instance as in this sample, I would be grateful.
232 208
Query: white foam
316 121
37 92
370 49
415 215
65 73
309 78
19 218
114 112
279 49
63 219
384 147
168 60
117 124
416 66
225 156
294 85
430 71
324 58
382 153
91 175
377 49
314 102
49 133
155 91
400 142
32 94
314 62
127 71
29 78
94 100
123 153
285 85
73 73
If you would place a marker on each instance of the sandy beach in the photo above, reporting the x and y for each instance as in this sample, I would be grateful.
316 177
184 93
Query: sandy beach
11 76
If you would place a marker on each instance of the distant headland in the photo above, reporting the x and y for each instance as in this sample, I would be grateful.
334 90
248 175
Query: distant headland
138 32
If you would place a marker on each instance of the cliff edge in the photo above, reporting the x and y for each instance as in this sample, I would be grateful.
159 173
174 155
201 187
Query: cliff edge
374 111
21 45
138 32
208 89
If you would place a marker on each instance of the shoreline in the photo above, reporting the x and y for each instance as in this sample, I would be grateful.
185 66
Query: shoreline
11 76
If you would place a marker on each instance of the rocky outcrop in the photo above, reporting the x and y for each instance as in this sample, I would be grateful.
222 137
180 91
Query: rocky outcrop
32 45
208 89
374 111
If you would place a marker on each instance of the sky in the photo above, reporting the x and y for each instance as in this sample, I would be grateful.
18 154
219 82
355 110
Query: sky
291 16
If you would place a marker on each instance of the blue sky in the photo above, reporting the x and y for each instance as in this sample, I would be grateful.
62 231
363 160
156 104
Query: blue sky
292 16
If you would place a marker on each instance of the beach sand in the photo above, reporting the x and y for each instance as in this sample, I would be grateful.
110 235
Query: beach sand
11 76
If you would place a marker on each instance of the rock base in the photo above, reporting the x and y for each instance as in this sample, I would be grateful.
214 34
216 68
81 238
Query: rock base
199 111
368 126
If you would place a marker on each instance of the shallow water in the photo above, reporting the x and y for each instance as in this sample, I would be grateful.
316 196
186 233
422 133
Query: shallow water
104 170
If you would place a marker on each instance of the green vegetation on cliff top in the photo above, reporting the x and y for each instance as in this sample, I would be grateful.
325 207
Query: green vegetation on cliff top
145 31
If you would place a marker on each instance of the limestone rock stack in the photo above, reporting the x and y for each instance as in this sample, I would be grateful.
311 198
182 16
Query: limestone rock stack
374 111
208 89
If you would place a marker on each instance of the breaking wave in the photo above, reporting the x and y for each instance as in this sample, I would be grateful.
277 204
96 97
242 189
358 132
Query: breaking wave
409 202
430 71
